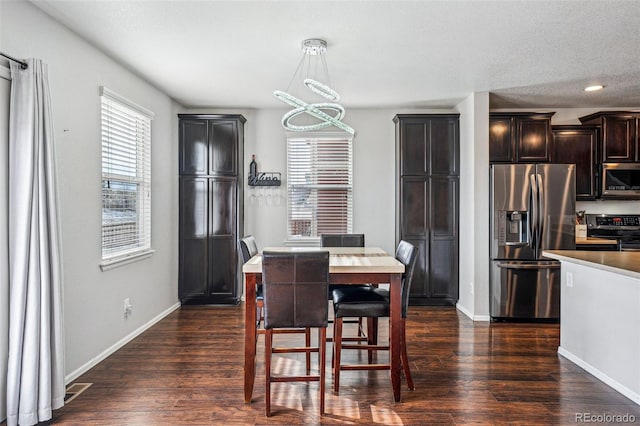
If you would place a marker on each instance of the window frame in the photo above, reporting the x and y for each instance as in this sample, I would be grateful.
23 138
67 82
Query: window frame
138 247
315 187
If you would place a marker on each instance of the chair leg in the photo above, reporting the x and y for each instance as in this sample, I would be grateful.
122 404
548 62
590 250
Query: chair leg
405 358
307 342
268 335
337 347
322 342
372 336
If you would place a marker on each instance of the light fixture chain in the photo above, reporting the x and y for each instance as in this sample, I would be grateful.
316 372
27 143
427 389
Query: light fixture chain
293 77
326 70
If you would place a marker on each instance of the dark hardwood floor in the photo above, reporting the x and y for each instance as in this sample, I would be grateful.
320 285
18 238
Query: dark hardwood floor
187 370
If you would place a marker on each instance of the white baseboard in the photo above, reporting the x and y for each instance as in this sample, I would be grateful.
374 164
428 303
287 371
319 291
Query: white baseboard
633 396
102 356
464 310
472 317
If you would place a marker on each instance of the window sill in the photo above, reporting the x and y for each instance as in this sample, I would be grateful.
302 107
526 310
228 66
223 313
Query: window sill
116 262
303 242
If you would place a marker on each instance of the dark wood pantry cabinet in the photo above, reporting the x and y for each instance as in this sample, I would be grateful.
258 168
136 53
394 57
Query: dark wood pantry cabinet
211 207
427 198
576 144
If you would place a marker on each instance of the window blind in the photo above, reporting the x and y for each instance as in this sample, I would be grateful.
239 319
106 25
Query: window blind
320 186
126 177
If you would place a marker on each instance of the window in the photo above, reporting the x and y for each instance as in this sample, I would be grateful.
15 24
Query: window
320 186
126 179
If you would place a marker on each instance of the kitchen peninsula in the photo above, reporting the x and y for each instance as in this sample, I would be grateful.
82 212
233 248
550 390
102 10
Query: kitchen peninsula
600 315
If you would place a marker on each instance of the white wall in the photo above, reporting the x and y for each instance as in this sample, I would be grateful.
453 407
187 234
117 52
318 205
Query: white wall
93 300
474 206
5 87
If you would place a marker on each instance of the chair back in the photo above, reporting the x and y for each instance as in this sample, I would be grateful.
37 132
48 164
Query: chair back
295 287
342 240
406 253
248 248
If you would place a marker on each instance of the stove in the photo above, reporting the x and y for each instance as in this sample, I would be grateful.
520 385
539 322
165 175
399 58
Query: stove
624 228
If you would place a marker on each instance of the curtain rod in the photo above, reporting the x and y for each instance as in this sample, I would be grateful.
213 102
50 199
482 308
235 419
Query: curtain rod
23 64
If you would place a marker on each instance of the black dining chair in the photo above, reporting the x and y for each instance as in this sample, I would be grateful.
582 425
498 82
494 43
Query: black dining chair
345 240
372 302
295 288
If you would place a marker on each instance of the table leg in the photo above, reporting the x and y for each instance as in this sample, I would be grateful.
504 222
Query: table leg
395 334
249 336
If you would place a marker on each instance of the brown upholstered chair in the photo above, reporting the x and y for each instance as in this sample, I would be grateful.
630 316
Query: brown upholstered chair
374 303
342 240
295 288
249 248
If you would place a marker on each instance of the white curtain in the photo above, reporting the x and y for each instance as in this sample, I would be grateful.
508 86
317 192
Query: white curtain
35 374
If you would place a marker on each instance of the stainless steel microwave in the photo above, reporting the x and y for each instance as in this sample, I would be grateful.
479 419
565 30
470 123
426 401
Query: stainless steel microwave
621 180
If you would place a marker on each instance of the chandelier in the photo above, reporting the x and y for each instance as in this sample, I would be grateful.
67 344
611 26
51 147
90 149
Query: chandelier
325 114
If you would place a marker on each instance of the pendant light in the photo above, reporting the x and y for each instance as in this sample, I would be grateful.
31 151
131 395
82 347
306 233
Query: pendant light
312 74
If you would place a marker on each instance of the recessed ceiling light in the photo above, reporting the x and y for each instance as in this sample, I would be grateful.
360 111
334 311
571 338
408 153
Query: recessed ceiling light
594 88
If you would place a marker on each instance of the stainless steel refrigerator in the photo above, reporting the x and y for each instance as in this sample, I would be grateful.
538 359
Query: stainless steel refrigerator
532 209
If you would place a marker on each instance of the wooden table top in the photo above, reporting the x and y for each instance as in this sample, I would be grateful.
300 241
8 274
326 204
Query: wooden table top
341 260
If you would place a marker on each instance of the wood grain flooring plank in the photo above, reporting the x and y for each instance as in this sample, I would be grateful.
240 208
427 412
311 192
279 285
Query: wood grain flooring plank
187 370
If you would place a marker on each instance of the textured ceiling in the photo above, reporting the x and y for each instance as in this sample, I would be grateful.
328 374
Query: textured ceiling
380 54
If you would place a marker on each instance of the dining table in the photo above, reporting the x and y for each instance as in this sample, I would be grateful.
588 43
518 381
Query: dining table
347 265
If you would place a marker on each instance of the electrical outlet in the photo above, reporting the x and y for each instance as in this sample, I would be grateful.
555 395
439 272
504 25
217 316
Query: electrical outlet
471 287
569 279
127 307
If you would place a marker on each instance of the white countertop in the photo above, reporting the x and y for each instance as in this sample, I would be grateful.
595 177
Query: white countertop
620 262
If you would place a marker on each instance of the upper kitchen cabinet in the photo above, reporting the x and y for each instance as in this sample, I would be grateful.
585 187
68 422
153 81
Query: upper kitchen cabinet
520 137
619 135
427 210
578 145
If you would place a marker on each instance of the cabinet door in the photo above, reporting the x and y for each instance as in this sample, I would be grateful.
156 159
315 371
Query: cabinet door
414 227
532 143
619 139
194 200
443 134
414 147
443 260
222 237
223 147
501 140
578 145
193 147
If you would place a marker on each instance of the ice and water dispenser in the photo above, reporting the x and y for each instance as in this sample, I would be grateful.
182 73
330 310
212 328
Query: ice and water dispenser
513 228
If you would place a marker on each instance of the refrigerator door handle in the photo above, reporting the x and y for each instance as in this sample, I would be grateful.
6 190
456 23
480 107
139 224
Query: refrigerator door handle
541 212
533 212
528 266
